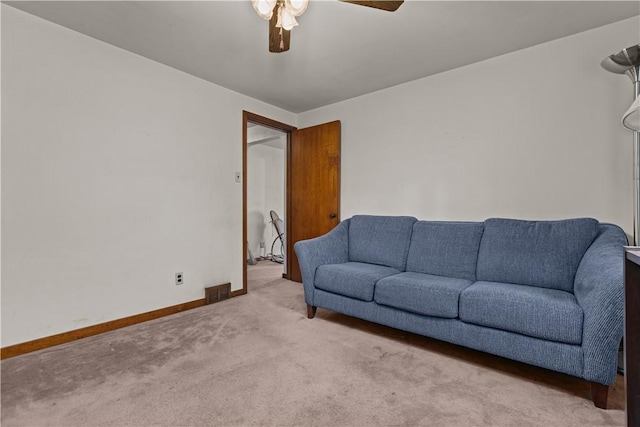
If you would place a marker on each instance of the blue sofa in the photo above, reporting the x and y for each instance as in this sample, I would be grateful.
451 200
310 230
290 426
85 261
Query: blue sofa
546 293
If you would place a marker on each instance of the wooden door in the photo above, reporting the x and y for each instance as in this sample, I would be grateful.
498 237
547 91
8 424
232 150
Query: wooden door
313 197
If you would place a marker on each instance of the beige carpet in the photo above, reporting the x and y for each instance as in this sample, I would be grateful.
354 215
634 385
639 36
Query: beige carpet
257 360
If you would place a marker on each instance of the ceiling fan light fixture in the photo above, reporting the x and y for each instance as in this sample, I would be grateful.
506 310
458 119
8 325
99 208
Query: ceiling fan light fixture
264 8
282 23
631 119
285 19
296 7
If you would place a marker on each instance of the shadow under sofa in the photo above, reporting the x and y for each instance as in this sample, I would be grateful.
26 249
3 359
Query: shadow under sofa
546 293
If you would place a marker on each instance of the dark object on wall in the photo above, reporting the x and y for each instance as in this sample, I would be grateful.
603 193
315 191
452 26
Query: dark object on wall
218 293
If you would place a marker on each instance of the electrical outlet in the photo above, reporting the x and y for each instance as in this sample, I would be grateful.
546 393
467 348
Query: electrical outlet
179 279
238 177
262 244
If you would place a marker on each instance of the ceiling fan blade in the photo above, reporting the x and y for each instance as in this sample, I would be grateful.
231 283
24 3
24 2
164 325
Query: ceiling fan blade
389 6
278 43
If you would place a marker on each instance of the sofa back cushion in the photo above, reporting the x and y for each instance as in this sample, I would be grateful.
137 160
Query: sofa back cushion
535 253
445 248
382 240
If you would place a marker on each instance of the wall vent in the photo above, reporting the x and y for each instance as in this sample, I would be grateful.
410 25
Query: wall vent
218 293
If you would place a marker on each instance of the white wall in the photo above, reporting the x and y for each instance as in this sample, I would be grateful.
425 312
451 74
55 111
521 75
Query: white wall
532 134
117 172
265 192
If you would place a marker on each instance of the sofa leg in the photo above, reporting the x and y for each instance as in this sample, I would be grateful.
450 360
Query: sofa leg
599 394
311 311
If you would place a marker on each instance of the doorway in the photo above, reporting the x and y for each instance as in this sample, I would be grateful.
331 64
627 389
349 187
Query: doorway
266 195
265 150
311 196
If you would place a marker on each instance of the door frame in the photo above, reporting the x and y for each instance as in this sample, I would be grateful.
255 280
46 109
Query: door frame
263 121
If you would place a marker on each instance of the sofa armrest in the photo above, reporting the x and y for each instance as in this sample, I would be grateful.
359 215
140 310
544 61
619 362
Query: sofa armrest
331 248
599 289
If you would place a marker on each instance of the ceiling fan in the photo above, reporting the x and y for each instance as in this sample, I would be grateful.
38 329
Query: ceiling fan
281 16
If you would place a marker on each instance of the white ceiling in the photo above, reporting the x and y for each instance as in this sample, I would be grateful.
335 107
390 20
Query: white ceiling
339 51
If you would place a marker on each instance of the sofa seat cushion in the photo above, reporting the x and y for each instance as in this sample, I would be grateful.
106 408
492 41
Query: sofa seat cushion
534 253
382 240
421 293
537 312
351 279
445 248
